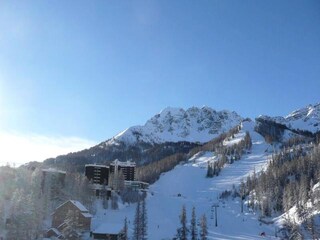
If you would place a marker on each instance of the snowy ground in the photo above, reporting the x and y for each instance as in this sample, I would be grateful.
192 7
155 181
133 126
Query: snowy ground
237 138
187 185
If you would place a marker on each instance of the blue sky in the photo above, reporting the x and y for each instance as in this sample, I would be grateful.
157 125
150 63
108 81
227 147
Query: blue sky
86 70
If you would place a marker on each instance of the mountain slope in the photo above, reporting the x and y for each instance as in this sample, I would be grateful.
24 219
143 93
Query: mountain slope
177 124
173 130
192 188
301 122
305 119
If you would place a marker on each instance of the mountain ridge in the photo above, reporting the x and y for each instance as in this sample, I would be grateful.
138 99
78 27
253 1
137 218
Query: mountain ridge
176 124
176 130
303 119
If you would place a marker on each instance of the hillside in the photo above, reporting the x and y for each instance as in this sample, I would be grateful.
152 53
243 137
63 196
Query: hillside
179 125
263 174
173 130
304 121
307 119
192 188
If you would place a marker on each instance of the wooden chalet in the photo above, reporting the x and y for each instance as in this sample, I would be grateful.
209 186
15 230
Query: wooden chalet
79 212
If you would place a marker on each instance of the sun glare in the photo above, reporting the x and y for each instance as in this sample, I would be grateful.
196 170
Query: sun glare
19 149
1 102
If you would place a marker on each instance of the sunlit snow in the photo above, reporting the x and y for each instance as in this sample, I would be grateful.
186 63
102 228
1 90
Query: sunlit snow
187 185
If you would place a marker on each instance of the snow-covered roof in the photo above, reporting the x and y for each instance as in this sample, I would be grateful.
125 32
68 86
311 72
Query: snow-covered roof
109 228
123 164
52 170
77 204
96 165
86 215
56 231
63 224
135 182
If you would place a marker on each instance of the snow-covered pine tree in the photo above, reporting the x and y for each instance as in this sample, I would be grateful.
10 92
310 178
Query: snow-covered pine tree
204 229
137 224
182 232
114 201
124 235
210 171
144 221
23 213
242 194
194 230
247 140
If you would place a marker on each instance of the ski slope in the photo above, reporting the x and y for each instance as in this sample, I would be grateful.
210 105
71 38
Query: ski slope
187 185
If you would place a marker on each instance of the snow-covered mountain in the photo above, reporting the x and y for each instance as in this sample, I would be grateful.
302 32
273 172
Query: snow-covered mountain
176 124
176 130
305 119
173 130
186 185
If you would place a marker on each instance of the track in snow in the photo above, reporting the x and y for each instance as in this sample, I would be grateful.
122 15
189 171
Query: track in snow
189 181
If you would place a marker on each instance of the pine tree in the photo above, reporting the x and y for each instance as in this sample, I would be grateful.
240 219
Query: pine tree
137 223
247 140
124 235
204 229
182 232
114 201
210 171
242 194
194 230
144 221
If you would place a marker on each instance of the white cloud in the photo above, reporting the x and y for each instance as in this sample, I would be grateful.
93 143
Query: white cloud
18 149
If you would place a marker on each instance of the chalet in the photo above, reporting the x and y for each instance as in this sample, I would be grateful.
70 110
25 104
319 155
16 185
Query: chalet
69 233
71 209
107 231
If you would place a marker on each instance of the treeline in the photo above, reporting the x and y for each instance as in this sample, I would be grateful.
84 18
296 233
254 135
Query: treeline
19 194
140 224
229 154
141 153
152 171
287 182
294 141
26 201
217 142
191 229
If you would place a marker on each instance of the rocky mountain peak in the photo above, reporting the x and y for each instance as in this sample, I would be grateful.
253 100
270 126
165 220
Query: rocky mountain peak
305 119
177 124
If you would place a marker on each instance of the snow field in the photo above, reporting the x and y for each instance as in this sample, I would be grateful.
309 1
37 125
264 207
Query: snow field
187 185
